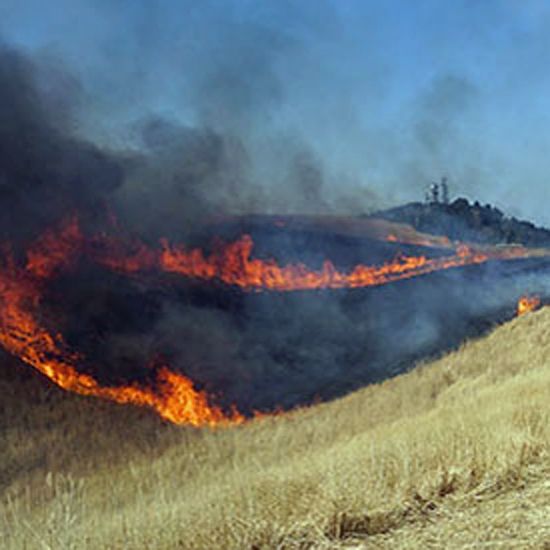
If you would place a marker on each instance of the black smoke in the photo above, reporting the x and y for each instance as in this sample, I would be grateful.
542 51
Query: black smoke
45 171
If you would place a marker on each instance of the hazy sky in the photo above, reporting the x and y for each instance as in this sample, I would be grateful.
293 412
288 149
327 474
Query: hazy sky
387 95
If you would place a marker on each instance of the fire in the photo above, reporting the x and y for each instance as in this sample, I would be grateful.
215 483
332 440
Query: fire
233 265
24 333
527 304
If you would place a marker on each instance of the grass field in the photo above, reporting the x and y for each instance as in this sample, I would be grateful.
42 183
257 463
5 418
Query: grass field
454 454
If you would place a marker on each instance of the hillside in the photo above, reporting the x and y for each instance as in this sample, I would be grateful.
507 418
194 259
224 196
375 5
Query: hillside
454 454
461 220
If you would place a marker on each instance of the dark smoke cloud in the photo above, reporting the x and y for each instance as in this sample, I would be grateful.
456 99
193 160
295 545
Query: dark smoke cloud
183 176
176 177
45 173
236 73
385 97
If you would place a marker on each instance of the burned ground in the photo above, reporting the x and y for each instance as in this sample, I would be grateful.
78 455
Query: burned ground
260 350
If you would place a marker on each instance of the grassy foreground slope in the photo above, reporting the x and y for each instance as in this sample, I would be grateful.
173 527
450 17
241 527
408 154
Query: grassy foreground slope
454 454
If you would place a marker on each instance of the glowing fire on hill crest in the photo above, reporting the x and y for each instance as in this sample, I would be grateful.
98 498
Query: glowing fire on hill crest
24 334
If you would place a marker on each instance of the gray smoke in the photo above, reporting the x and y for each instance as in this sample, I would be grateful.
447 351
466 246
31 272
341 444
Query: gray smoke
379 104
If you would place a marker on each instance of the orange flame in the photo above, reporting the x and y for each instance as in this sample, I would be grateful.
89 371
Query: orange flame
527 304
233 265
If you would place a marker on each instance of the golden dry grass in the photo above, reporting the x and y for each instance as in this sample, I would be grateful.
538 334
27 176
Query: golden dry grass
454 454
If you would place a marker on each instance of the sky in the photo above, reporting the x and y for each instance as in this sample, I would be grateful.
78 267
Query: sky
384 96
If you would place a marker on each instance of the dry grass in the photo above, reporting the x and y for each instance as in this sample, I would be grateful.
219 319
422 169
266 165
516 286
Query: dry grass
454 454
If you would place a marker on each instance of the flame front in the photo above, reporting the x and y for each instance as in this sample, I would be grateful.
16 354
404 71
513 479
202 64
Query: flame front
24 334
527 304
233 265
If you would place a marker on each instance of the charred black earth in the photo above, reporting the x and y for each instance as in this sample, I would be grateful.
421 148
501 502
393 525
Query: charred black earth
262 350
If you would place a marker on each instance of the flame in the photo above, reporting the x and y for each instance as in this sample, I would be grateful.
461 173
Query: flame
527 304
24 333
233 265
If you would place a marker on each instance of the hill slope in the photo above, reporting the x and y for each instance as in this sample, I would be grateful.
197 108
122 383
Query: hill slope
453 454
461 220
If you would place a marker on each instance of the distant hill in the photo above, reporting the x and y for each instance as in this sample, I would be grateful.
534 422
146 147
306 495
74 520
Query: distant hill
464 221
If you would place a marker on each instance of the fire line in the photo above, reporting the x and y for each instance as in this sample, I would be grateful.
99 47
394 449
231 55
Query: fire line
173 396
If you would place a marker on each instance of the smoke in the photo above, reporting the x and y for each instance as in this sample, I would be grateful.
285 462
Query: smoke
44 171
379 99
383 103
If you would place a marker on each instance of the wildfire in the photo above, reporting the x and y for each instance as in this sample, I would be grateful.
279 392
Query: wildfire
173 396
527 304
233 265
